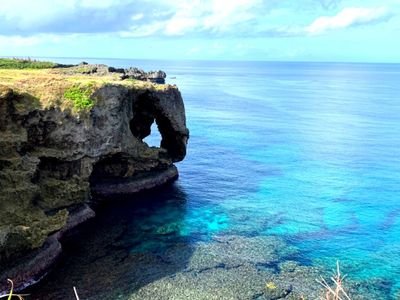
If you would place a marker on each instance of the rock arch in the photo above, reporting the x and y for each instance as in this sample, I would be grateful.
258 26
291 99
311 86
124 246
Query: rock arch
149 108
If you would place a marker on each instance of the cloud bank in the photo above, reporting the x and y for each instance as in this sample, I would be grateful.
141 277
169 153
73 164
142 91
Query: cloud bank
348 17
192 18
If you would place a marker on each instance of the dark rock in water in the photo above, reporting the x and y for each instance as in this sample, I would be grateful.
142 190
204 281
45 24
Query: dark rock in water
233 267
52 160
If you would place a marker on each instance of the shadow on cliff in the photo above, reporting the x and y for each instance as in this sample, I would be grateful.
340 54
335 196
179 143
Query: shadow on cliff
123 249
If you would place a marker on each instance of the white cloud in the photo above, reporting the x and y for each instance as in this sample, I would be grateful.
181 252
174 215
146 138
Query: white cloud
137 17
97 3
141 18
28 9
346 18
19 41
28 41
180 16
24 13
203 15
23 17
179 25
224 14
12 44
143 30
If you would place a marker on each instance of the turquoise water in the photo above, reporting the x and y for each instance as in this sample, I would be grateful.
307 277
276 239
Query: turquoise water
309 152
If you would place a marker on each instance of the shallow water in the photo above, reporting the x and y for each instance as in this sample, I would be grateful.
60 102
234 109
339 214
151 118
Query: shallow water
307 152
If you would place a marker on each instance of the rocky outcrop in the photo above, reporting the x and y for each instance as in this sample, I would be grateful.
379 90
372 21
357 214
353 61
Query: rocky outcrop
152 76
52 162
102 70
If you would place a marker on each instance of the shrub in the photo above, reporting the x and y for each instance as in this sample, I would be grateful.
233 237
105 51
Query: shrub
80 96
19 63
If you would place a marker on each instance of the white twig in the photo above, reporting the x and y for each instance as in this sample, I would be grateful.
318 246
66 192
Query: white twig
11 294
76 294
326 285
336 291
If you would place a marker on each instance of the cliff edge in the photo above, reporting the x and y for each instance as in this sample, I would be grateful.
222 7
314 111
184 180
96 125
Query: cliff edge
68 138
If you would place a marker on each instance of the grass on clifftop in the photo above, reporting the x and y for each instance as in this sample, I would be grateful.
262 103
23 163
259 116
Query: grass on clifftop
44 85
17 63
80 96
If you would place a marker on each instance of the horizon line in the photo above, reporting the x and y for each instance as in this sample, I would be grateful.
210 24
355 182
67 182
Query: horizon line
198 60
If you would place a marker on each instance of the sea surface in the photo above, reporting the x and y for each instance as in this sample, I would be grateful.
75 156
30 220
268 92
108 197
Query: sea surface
307 152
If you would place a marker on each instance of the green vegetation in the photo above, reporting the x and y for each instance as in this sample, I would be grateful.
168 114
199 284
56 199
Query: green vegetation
61 87
80 96
17 63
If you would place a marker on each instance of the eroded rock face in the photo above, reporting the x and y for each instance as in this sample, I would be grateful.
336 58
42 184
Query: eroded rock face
51 161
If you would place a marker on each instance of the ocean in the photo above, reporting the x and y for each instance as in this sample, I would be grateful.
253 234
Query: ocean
305 152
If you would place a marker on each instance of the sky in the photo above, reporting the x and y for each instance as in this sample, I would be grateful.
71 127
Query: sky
266 30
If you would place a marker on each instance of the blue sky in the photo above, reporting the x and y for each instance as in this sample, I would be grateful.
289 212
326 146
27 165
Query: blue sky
284 30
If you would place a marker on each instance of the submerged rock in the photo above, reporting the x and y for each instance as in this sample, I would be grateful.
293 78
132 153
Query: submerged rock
233 267
65 138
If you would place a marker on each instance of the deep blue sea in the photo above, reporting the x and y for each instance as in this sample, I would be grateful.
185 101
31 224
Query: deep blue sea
309 152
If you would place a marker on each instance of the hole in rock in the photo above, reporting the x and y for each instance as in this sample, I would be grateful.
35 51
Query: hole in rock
150 120
154 139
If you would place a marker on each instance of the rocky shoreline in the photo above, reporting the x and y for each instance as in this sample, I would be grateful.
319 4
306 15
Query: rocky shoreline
103 70
56 153
32 267
225 267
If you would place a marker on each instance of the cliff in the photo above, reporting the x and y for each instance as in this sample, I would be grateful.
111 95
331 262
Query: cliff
68 138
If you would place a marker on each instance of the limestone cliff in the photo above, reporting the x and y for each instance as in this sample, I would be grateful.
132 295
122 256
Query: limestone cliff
67 140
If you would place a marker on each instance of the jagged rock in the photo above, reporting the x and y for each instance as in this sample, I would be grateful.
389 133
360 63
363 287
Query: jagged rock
104 70
135 73
156 76
53 159
138 74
